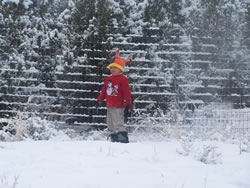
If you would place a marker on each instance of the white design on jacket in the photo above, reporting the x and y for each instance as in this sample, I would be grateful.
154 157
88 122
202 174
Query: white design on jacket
112 91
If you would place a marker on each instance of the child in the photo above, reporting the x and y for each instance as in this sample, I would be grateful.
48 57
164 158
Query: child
117 93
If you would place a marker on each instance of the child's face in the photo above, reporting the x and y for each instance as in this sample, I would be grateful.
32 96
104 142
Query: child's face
115 71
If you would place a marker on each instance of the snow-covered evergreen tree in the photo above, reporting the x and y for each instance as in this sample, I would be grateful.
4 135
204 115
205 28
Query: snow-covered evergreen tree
185 52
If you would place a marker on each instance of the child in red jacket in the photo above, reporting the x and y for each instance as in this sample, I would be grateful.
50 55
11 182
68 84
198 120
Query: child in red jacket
117 93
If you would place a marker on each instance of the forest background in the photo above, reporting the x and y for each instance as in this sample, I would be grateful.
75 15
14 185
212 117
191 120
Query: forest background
190 59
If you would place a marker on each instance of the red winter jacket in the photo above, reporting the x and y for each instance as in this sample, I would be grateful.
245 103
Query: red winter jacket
116 91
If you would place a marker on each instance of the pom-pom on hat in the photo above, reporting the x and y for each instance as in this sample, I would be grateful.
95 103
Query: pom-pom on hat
118 62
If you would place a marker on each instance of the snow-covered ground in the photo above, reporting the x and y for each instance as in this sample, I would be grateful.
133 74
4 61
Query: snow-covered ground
102 164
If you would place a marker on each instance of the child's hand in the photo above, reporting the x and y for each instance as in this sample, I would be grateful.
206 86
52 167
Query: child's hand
128 110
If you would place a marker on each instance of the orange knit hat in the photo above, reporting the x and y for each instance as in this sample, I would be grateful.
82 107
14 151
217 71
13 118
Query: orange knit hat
118 62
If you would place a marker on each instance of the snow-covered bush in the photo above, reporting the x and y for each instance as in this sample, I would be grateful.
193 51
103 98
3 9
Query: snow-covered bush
35 128
39 129
186 145
5 183
244 143
245 147
208 154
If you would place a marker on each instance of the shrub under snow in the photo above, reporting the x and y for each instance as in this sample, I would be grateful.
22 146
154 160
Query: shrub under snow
208 154
205 153
33 128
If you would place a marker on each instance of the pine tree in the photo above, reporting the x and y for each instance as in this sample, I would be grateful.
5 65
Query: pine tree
93 27
167 16
224 23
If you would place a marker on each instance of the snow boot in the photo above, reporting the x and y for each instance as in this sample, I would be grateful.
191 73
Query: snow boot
122 137
114 137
